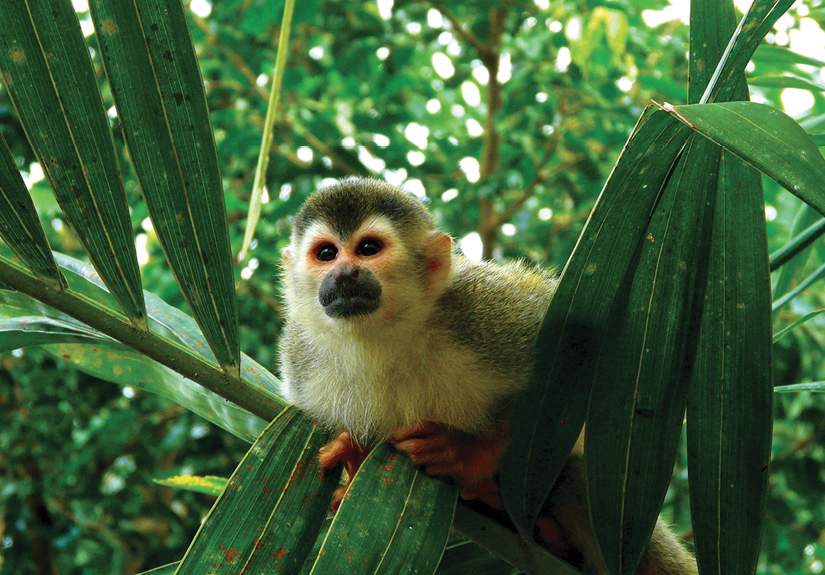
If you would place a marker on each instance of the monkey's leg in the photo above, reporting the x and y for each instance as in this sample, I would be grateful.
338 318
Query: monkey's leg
346 450
567 512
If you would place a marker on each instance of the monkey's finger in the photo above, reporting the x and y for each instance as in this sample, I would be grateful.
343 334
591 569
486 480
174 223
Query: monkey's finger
344 449
423 429
337 497
491 499
484 490
423 451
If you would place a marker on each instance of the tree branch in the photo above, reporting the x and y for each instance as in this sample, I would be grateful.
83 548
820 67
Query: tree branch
464 34
491 147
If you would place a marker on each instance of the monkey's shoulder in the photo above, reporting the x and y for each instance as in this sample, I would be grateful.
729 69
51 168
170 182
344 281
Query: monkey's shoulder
496 310
486 285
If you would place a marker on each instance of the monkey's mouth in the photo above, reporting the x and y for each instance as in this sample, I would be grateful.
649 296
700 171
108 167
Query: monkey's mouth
342 303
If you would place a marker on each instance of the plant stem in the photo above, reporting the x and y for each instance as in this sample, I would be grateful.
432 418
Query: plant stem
166 352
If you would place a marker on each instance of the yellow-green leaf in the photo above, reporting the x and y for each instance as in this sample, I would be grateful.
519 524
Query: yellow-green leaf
209 484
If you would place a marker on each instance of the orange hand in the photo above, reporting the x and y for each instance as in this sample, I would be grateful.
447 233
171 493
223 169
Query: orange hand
343 449
469 459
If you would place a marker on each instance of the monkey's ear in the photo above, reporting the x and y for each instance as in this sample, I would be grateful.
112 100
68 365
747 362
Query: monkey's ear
437 262
286 256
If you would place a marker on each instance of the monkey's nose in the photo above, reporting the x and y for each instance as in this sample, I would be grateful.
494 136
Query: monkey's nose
349 291
347 271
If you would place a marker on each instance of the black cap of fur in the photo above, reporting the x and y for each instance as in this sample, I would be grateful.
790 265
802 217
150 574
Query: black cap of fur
345 205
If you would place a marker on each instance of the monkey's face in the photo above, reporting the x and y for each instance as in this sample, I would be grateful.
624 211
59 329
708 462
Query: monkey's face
349 289
367 276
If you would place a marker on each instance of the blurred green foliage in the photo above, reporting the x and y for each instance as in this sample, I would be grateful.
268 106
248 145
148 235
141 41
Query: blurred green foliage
398 93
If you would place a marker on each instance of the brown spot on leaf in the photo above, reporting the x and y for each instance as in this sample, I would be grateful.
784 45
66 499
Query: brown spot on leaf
229 554
17 54
280 553
108 27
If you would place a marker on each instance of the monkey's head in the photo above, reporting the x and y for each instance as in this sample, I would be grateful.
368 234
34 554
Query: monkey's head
364 253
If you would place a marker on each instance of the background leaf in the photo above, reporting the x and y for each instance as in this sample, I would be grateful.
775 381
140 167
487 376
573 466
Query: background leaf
153 73
19 226
46 68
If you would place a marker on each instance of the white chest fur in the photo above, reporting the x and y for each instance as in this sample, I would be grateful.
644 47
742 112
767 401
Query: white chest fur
373 386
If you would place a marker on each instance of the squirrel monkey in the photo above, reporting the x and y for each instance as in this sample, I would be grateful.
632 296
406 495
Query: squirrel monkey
392 334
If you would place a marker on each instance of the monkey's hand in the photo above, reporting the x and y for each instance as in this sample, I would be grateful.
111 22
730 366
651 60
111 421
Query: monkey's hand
471 460
343 449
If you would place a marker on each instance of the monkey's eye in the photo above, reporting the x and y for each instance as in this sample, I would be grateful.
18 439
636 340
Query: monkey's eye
326 253
368 247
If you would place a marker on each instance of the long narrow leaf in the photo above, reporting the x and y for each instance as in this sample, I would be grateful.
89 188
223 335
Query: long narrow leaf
209 484
46 68
277 478
815 386
549 415
254 213
393 520
169 320
805 284
785 331
176 347
784 57
728 412
730 403
526 558
767 139
638 404
759 19
120 365
782 82
24 331
158 91
25 321
19 226
808 226
467 557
